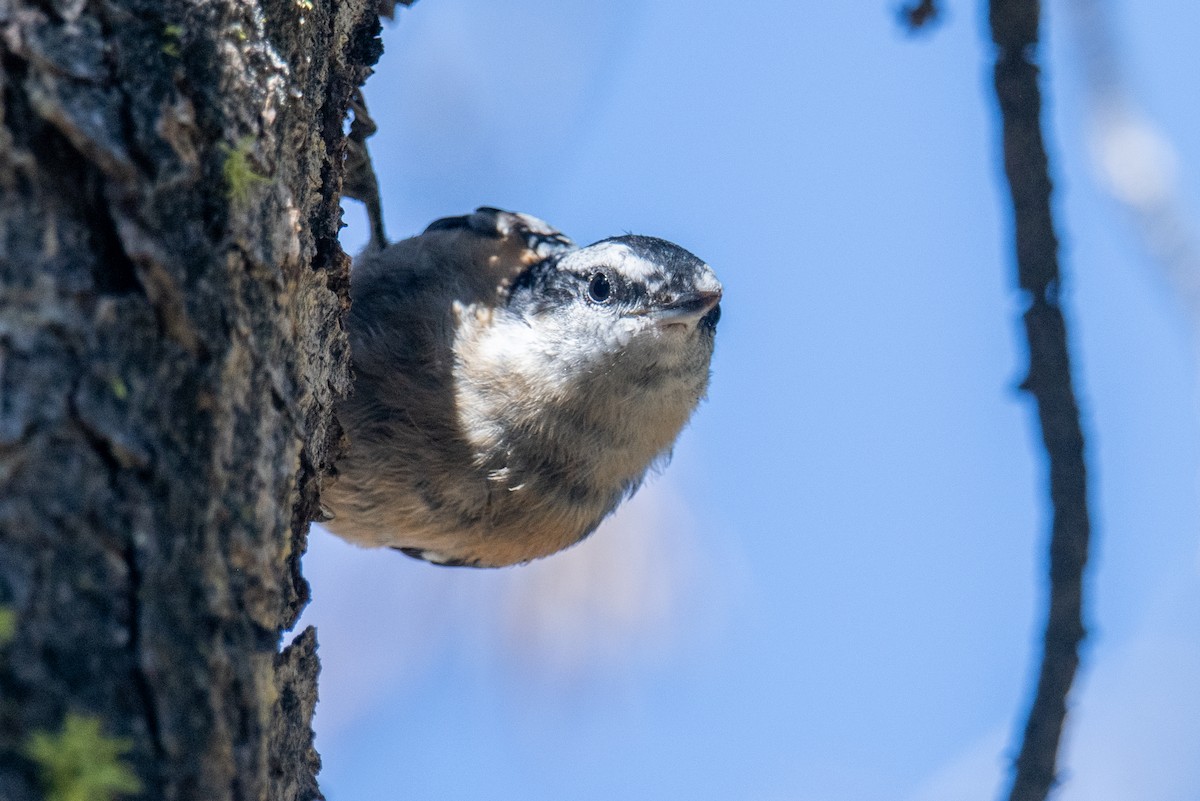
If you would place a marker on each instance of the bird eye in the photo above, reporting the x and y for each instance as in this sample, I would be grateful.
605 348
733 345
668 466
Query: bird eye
599 289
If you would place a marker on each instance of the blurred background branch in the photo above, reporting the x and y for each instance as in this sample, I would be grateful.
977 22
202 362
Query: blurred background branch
1135 162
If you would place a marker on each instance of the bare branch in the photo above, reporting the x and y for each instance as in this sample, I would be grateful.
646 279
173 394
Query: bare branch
1014 25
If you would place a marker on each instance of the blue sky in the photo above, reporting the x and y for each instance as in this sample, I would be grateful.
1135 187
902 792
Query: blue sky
834 591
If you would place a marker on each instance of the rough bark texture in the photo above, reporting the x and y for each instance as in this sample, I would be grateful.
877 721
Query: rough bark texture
1014 26
171 294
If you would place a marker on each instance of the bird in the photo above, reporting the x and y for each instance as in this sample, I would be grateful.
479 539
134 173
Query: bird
511 389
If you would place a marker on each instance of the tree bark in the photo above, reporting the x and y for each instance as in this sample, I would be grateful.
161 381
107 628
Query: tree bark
171 345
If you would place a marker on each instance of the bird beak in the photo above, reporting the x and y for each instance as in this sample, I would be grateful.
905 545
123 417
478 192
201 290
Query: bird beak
685 308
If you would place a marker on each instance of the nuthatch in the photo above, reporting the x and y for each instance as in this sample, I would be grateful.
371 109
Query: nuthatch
511 389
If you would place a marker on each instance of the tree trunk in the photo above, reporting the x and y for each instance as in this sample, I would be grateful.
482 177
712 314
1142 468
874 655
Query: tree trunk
171 344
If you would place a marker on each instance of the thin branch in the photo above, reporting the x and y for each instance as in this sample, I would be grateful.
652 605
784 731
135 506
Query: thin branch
360 182
1014 25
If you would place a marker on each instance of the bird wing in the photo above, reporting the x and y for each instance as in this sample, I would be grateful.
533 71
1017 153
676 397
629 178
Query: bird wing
504 243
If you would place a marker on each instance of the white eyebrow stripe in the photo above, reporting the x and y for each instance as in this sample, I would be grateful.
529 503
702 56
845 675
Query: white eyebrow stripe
619 256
